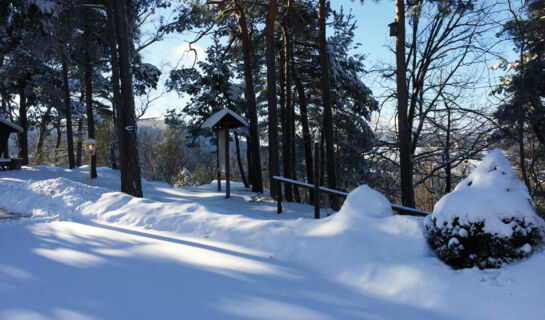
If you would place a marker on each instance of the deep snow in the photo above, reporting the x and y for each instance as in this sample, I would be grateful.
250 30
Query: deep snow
93 252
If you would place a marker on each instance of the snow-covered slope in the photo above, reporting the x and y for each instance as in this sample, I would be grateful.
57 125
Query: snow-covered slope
162 253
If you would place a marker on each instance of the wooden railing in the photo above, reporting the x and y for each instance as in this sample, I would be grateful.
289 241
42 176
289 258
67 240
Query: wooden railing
318 189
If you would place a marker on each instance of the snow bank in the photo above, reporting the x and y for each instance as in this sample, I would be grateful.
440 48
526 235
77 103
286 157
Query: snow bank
363 246
362 237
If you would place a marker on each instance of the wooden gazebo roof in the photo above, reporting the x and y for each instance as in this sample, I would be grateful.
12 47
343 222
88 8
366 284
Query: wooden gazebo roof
8 126
225 118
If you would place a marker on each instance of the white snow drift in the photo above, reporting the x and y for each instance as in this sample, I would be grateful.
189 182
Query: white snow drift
361 263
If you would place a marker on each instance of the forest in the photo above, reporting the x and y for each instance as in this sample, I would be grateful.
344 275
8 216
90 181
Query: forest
464 77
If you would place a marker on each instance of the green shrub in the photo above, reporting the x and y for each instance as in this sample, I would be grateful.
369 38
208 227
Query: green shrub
182 179
467 245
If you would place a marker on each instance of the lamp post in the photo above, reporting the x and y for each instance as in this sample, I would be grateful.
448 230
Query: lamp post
91 144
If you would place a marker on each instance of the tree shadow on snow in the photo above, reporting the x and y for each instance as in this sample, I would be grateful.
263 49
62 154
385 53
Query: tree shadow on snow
68 270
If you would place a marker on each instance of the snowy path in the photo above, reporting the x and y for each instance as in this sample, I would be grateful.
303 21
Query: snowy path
69 270
241 200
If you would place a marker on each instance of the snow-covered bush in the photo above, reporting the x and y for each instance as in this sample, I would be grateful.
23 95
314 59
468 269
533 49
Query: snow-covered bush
182 179
488 220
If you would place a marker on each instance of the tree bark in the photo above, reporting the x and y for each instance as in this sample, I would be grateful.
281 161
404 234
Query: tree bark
286 171
322 160
23 136
249 159
326 98
39 156
58 142
79 145
286 123
407 189
296 195
448 167
131 182
522 115
274 169
257 179
239 161
68 112
59 136
307 139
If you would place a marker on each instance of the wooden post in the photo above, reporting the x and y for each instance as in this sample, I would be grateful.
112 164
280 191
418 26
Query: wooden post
227 167
316 180
90 166
218 167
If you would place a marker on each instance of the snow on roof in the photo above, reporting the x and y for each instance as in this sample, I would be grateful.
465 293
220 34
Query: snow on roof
11 125
218 116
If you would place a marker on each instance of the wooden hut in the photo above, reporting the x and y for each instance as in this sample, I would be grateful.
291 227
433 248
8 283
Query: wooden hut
222 121
6 128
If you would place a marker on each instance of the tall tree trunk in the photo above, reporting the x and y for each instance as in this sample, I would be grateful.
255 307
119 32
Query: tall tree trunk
249 159
88 79
257 182
407 189
289 140
307 139
296 195
131 182
79 145
287 123
448 167
58 141
23 136
522 116
274 169
326 97
286 171
68 112
322 160
39 154
239 161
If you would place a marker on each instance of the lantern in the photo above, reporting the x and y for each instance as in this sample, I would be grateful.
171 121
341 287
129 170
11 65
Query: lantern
91 147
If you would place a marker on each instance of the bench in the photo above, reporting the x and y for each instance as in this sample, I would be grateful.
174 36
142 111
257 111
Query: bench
5 164
10 164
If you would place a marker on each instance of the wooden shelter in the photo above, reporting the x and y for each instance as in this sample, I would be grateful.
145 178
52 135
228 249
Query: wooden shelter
222 121
6 128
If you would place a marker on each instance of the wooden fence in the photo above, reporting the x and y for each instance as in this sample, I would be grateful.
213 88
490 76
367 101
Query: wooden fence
318 189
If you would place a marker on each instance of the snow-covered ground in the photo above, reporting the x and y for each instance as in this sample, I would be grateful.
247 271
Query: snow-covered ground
95 253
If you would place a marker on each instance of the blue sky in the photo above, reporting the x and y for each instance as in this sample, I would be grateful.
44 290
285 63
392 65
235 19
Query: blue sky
372 33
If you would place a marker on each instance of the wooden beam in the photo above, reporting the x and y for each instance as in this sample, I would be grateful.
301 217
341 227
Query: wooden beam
400 209
227 167
218 167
